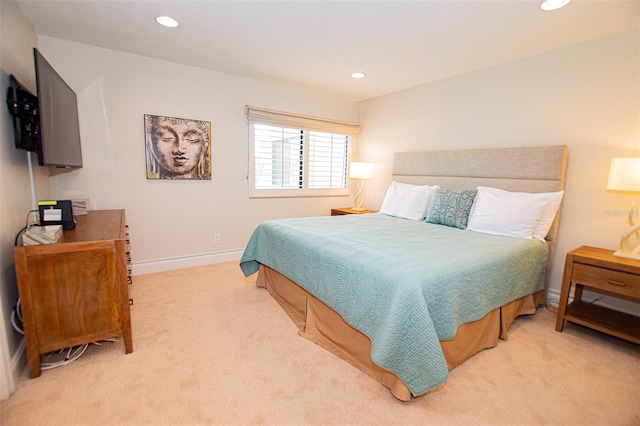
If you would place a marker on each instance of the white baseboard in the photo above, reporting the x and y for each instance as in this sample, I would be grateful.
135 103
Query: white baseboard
169 264
19 361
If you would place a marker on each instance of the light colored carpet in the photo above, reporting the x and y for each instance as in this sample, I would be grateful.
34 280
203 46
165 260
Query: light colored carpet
211 348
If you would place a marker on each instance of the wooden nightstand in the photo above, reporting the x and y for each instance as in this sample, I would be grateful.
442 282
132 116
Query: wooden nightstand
349 210
599 270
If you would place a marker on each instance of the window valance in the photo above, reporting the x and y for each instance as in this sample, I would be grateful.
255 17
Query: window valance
288 119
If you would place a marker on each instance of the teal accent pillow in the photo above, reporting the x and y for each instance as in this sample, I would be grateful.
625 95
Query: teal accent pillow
451 207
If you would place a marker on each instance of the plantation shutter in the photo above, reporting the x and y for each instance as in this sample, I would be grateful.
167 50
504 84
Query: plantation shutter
296 155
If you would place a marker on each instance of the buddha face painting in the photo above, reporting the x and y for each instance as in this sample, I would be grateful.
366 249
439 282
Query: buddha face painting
177 148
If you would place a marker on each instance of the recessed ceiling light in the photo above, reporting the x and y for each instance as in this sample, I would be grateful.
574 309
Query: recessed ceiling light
167 21
553 4
358 75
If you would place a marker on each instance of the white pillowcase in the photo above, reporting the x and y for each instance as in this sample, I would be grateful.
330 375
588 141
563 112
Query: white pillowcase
515 214
408 201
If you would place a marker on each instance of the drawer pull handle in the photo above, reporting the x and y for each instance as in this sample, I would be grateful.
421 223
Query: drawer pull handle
618 283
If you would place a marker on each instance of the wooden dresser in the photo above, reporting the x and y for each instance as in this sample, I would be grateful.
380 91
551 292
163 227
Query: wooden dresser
76 291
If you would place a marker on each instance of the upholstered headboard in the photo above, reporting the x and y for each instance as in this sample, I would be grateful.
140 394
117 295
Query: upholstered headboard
526 169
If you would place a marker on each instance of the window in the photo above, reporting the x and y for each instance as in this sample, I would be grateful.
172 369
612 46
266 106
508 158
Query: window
295 156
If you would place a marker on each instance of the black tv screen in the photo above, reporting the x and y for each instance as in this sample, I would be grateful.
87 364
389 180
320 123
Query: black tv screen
59 127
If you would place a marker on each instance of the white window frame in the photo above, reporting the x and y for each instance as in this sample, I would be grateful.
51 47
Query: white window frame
305 124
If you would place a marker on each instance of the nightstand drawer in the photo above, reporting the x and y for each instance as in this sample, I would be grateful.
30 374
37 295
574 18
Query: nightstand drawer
617 282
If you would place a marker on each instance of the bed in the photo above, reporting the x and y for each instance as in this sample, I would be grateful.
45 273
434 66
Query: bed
406 295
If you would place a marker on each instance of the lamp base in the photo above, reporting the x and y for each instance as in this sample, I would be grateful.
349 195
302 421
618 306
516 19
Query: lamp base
627 254
630 240
358 209
359 198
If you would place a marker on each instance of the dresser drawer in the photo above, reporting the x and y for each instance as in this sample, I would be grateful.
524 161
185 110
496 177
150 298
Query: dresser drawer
617 282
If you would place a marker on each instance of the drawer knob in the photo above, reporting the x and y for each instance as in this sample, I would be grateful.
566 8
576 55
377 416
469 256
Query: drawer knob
618 283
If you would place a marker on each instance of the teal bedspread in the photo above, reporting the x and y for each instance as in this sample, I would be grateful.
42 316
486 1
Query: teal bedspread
404 284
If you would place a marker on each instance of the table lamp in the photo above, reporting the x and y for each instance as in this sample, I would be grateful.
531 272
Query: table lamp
624 176
360 171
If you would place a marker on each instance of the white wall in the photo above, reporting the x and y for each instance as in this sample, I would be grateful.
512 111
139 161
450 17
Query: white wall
586 96
17 38
175 220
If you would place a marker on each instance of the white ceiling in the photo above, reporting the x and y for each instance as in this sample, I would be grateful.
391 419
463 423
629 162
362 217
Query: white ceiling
318 44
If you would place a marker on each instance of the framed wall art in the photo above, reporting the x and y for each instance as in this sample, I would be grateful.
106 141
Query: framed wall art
177 148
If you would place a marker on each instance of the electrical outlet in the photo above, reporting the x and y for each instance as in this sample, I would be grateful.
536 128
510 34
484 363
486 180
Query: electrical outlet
216 238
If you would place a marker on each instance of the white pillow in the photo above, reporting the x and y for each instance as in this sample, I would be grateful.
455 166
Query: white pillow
408 201
516 214
549 214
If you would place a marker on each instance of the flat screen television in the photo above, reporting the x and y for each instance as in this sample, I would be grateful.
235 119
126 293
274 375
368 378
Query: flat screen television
58 110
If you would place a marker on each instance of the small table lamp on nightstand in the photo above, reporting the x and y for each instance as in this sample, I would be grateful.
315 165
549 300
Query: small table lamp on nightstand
360 171
624 176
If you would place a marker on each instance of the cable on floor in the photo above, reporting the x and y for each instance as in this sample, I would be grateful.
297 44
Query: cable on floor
552 304
47 363
67 355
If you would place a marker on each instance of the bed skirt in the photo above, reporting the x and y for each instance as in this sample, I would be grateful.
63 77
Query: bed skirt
323 326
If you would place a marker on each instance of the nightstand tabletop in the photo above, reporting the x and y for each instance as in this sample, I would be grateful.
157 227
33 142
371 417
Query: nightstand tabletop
349 210
604 258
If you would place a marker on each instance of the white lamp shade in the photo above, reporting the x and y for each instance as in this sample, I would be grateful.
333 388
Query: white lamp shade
624 175
553 4
361 170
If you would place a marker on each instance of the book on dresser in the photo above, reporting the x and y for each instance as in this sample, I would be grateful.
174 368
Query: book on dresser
48 234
